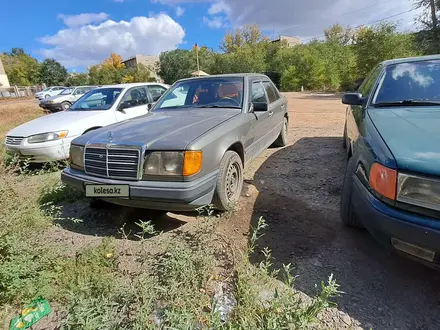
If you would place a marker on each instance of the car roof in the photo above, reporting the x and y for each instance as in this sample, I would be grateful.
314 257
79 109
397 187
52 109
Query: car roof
229 75
411 59
129 85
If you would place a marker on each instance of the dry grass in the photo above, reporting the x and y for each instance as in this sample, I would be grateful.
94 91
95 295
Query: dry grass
16 113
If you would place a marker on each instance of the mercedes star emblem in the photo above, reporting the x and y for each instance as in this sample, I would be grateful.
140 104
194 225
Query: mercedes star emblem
110 136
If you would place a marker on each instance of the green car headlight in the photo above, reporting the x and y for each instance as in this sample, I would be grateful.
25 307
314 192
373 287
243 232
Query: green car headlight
76 157
164 163
45 137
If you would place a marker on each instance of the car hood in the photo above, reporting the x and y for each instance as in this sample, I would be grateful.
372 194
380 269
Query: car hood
162 130
66 120
411 134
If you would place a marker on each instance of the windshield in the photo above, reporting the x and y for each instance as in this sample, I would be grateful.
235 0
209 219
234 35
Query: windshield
97 99
46 89
412 81
67 91
204 93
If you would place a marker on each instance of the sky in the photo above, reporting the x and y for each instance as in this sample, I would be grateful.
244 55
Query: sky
84 32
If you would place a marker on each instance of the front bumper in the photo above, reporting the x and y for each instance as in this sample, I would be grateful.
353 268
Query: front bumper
158 195
385 222
41 152
51 106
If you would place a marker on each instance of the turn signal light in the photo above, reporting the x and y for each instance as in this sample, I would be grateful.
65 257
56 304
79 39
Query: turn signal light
192 162
383 180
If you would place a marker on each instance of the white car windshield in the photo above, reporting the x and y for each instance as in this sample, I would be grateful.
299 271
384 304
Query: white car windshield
46 89
67 91
215 92
97 99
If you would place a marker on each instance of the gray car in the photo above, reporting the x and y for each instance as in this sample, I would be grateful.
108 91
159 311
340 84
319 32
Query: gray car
189 151
65 99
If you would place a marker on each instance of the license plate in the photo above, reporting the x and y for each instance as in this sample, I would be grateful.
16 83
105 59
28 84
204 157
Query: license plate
107 190
413 249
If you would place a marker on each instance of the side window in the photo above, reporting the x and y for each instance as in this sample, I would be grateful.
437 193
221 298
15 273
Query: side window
156 91
135 97
368 84
258 94
271 92
79 91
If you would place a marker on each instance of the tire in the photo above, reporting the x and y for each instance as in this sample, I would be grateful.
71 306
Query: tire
46 96
344 142
281 140
348 217
229 182
65 105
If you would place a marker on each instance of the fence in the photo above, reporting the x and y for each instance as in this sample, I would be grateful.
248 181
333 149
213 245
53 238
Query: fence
19 91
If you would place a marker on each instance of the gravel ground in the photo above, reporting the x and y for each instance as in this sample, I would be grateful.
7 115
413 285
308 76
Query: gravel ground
297 190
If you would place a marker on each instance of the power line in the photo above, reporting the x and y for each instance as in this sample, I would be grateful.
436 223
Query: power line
369 23
295 27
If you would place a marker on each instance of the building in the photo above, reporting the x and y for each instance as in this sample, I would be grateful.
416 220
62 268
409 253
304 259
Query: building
289 41
4 81
149 61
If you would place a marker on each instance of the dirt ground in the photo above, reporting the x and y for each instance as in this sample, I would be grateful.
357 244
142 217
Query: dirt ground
297 190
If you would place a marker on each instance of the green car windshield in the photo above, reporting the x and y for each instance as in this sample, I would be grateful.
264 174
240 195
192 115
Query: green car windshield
410 83
204 93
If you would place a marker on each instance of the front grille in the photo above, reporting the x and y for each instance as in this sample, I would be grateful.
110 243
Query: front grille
14 140
113 162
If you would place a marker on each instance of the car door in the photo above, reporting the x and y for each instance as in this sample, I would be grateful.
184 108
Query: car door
156 91
80 91
276 110
258 137
356 113
134 103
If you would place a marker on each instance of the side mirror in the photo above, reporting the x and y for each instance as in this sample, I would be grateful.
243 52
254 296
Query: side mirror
150 106
259 106
123 106
353 99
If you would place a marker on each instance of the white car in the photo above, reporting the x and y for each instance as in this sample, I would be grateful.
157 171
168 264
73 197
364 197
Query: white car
49 91
48 138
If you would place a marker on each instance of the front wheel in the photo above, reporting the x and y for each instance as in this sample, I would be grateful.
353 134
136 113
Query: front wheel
229 182
348 216
46 96
65 105
281 141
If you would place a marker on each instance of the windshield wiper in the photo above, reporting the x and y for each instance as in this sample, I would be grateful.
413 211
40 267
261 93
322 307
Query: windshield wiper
219 106
406 102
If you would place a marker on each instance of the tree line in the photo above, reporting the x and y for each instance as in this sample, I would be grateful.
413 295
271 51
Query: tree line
333 64
24 70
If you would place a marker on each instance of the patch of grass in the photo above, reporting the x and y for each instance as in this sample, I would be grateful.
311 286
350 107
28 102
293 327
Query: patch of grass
58 192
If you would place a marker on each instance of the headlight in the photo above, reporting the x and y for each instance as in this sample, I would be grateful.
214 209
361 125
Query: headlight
76 157
45 137
51 102
420 191
173 163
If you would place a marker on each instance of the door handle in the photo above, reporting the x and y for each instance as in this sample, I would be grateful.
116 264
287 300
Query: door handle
270 113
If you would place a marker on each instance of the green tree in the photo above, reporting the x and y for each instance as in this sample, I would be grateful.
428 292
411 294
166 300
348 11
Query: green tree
250 34
248 58
179 63
77 79
52 72
339 34
21 68
375 44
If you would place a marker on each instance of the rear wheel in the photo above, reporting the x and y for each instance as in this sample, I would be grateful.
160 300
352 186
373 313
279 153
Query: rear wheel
65 105
281 141
347 214
229 182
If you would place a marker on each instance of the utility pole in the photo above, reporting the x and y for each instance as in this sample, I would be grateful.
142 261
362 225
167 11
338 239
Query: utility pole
197 57
433 15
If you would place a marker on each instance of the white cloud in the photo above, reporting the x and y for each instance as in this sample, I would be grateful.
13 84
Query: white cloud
179 11
309 18
82 19
91 44
214 23
219 7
